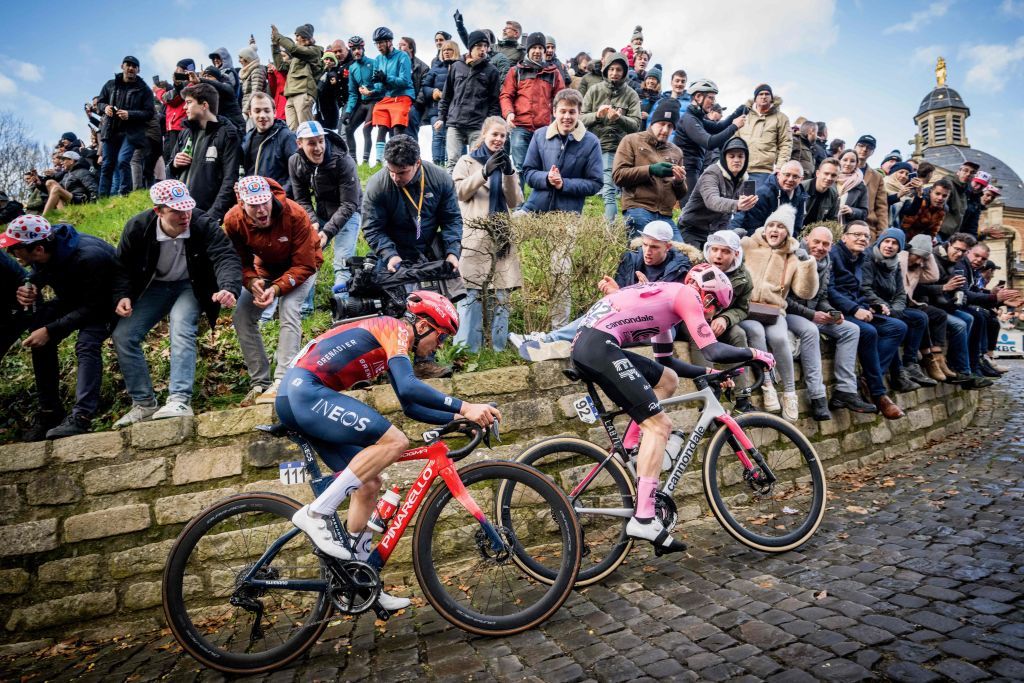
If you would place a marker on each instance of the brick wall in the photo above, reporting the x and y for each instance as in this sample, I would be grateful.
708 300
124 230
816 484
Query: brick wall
88 521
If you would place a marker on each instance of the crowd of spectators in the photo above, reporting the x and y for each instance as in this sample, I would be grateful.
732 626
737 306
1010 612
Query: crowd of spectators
252 173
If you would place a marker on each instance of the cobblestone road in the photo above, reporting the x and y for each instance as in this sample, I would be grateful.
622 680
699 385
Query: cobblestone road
915 575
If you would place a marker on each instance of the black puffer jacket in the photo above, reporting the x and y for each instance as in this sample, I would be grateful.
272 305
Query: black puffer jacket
79 274
213 263
333 185
136 98
80 182
470 94
214 167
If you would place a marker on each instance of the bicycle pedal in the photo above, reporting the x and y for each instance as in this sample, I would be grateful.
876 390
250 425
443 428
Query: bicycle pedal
381 613
659 550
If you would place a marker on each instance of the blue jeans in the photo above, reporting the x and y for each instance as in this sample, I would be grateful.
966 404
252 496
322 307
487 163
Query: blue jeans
917 325
958 332
609 192
345 247
116 170
519 141
759 180
564 333
879 343
978 340
637 219
159 300
438 147
471 321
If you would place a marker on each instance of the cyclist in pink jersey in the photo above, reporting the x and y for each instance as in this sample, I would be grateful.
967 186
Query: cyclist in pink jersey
649 312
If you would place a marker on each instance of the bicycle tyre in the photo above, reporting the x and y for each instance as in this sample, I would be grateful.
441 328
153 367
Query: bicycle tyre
605 547
444 521
795 472
221 525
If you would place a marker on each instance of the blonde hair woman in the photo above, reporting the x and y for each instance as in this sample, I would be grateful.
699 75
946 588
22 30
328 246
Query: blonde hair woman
487 183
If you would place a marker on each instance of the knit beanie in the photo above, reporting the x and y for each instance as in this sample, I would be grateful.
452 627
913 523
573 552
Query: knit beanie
785 214
305 31
536 38
638 32
248 54
654 72
666 109
187 64
550 40
894 233
920 245
332 57
762 88
477 36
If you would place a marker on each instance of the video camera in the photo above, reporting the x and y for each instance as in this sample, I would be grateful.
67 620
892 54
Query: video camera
373 291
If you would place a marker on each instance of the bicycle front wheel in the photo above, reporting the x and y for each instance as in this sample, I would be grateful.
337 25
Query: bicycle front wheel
603 506
220 620
483 591
773 518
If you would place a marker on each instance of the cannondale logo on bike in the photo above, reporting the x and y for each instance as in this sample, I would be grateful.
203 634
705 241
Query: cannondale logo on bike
685 458
410 502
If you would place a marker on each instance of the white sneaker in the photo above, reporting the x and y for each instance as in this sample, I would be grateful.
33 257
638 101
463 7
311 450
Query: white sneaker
254 393
270 395
136 414
790 406
316 528
174 408
771 398
654 532
537 351
516 339
393 603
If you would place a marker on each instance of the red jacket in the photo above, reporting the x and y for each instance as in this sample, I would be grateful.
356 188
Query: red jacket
287 252
174 112
275 85
528 92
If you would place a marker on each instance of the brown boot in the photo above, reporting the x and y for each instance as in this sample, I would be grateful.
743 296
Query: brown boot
931 366
941 359
888 408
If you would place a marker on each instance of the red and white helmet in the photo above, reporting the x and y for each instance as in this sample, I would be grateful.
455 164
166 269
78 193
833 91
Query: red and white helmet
712 285
435 309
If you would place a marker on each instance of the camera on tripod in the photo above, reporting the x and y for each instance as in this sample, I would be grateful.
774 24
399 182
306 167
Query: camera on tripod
374 291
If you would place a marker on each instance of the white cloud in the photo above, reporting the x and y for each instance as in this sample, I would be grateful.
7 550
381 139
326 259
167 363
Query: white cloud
23 71
1013 8
165 54
918 19
993 65
7 86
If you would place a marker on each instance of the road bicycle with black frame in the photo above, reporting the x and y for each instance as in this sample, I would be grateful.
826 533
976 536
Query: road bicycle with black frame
761 476
245 592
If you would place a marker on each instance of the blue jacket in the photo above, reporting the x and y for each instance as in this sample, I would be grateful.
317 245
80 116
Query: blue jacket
270 157
768 199
359 73
398 68
677 265
578 158
435 78
844 287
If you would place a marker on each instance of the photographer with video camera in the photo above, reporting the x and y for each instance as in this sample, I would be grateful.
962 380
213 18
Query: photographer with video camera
411 215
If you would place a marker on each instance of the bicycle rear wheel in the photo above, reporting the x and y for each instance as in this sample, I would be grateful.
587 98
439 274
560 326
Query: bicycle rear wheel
776 518
203 577
567 461
484 592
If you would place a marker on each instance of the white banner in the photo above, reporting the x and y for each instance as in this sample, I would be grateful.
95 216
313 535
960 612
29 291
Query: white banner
1010 343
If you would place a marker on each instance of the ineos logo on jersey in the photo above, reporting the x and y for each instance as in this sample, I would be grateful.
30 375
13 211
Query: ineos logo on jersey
346 418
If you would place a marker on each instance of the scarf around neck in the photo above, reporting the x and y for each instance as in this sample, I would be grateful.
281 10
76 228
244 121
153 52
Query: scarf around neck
847 182
496 195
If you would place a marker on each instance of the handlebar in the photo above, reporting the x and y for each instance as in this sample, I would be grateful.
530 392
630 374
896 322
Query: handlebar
475 432
715 379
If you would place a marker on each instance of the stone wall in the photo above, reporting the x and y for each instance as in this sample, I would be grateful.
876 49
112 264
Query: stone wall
88 521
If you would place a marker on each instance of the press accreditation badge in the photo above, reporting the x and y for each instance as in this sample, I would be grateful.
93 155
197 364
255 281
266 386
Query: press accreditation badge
292 473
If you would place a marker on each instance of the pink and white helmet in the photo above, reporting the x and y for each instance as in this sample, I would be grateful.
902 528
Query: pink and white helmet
25 230
712 285
254 189
173 194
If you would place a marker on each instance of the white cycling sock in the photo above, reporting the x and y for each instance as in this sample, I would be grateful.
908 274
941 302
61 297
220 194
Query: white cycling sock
343 485
362 545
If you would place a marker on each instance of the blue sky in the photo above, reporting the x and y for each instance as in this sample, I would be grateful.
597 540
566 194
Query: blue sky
862 66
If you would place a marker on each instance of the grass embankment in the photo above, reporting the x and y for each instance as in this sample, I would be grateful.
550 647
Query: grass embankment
221 378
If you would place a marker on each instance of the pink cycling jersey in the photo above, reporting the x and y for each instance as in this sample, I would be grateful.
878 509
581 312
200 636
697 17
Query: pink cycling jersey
648 312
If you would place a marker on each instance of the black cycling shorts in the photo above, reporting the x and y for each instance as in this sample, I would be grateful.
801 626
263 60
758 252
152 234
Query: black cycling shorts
627 378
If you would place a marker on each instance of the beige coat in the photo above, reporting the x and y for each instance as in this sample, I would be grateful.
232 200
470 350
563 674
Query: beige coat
768 136
776 272
477 245
926 273
878 202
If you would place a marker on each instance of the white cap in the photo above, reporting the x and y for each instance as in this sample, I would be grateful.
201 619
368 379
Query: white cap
658 230
309 129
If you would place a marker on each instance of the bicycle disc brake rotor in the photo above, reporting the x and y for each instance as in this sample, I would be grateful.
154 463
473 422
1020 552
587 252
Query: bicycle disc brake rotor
483 545
262 574
665 510
354 586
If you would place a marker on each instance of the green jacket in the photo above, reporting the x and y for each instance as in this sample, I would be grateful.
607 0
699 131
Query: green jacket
620 96
742 287
304 68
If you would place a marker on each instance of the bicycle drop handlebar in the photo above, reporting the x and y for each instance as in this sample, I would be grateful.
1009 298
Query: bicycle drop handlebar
475 432
715 379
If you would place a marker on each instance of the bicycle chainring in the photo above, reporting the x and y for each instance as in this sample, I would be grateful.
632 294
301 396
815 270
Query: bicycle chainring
354 586
665 510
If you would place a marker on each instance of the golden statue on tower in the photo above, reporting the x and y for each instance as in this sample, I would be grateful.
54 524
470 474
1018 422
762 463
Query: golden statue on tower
940 73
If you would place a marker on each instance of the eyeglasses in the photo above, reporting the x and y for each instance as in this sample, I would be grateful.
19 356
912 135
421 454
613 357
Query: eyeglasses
859 235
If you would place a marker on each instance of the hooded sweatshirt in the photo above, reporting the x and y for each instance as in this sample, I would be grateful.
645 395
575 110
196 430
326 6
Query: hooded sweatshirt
768 136
227 69
619 95
709 207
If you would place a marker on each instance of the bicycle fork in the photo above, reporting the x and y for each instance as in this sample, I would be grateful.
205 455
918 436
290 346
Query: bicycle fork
458 488
755 469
